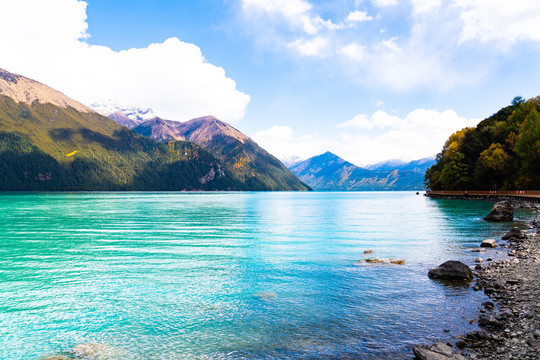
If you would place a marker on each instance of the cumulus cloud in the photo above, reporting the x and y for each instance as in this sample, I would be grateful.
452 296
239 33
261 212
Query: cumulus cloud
371 138
359 122
354 51
358 16
46 40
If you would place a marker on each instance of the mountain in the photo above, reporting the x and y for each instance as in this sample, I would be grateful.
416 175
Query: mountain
50 142
386 165
136 114
122 119
329 172
246 161
501 153
420 165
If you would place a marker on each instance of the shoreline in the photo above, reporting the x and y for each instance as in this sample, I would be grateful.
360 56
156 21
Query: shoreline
509 324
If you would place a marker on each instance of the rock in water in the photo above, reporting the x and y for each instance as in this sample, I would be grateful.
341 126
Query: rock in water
451 270
489 243
96 351
502 211
514 233
438 351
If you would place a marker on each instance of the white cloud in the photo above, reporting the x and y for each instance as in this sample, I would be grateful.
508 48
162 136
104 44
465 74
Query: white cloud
354 51
313 47
425 6
45 40
384 3
358 122
500 20
437 45
288 8
358 16
378 137
282 143
295 12
390 44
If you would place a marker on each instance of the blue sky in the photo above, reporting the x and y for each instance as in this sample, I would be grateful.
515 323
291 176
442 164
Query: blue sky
367 79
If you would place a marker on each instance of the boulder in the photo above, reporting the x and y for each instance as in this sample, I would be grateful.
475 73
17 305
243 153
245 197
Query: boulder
514 233
502 211
478 260
451 270
488 320
369 251
438 351
489 243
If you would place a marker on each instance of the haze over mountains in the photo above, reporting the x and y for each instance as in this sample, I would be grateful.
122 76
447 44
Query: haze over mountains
329 172
51 142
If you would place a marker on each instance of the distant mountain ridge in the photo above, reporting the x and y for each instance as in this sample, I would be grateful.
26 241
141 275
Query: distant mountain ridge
246 161
329 172
420 165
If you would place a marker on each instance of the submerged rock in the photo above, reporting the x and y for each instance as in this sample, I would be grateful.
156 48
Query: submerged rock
514 233
438 351
95 351
266 295
502 211
385 261
451 270
489 243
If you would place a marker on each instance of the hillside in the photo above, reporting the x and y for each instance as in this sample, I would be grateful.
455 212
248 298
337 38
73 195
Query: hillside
329 172
51 142
247 162
501 153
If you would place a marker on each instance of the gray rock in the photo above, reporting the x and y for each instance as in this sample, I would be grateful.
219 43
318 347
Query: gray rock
488 320
451 270
438 351
502 211
489 243
514 233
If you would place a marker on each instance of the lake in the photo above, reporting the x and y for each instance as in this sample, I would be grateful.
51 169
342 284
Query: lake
234 275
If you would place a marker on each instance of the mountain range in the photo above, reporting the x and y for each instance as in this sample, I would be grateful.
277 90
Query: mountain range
246 161
329 172
49 142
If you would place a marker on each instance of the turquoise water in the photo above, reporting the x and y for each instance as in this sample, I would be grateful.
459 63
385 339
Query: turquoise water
233 275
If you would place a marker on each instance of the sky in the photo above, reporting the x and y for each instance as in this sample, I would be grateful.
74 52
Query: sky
369 80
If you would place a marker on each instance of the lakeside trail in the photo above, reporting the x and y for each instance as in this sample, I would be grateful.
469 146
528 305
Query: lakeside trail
510 322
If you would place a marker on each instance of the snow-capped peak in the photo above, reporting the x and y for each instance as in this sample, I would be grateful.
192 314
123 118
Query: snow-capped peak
109 107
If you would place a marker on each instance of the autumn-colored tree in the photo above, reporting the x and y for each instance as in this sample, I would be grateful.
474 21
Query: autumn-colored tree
502 152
